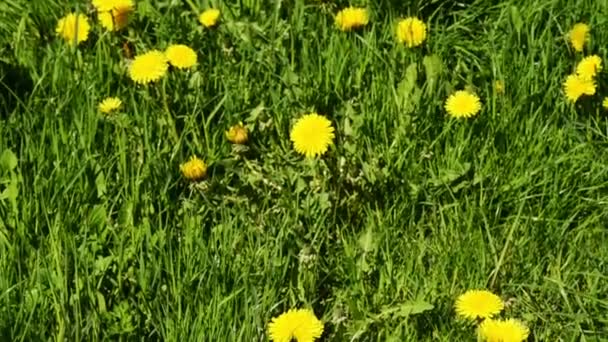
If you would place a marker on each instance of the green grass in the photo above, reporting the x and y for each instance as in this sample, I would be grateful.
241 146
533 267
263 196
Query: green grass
102 239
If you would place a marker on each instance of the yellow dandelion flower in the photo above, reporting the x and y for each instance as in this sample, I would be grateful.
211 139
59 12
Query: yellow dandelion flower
195 169
73 28
503 331
478 304
578 36
114 14
210 17
104 5
312 134
463 104
109 105
181 56
499 87
575 87
237 134
149 67
352 18
605 103
589 67
300 325
411 31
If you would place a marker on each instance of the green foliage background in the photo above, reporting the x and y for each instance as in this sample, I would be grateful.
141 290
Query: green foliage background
101 239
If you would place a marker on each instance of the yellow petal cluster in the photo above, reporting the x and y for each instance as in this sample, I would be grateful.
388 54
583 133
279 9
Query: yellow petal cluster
181 56
195 169
509 330
73 28
578 36
589 67
576 86
312 134
463 104
149 67
352 18
475 304
300 325
209 18
237 134
109 105
411 31
113 15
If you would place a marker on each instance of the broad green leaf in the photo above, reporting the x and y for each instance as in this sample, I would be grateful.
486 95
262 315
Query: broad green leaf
518 23
433 67
8 160
415 307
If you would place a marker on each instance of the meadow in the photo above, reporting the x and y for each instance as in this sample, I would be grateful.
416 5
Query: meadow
104 238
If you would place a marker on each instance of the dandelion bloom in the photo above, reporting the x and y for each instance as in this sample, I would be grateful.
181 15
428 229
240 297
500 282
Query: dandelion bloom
605 103
499 87
114 14
149 67
300 325
576 86
463 104
73 28
411 31
352 18
194 169
237 134
181 56
109 105
478 304
578 36
509 330
589 67
312 134
210 17
106 5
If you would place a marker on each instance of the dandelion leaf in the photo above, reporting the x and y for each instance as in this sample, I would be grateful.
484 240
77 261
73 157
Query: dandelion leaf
8 160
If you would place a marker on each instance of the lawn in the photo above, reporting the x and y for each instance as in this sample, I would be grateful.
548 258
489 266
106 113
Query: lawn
103 239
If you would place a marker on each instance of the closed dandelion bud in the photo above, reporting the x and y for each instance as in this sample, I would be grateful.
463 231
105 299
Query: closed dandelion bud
499 87
237 134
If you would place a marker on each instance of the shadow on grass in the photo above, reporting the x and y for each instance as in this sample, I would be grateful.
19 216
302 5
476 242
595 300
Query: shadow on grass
15 85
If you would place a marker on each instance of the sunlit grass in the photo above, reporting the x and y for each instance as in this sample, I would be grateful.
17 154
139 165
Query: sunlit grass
102 238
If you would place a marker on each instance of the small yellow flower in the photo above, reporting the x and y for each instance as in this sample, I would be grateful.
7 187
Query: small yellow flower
503 331
463 104
605 103
499 87
181 56
149 67
195 169
478 304
578 36
312 134
114 14
109 105
411 31
73 28
210 17
300 325
575 87
589 67
352 18
237 134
